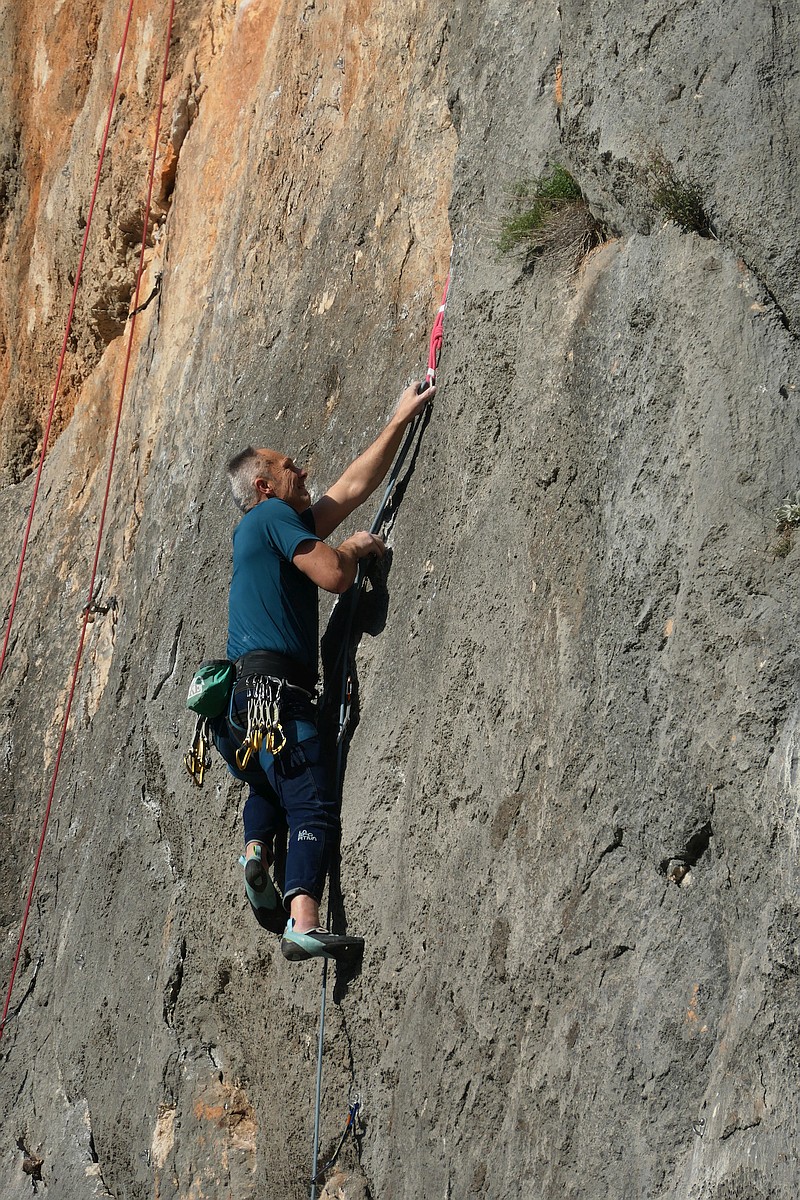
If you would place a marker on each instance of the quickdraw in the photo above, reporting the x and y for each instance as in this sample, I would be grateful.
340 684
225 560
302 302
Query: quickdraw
155 292
197 758
344 717
350 1124
263 719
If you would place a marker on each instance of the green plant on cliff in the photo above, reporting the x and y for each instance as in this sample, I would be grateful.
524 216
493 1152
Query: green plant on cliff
678 199
788 511
548 213
787 519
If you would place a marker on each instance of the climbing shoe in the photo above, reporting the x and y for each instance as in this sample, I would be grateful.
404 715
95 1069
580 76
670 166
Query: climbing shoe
318 943
262 894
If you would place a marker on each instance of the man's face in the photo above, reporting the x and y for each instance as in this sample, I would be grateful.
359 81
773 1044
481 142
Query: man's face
285 481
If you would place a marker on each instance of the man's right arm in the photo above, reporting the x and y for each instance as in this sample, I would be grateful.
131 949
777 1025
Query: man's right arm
334 569
364 474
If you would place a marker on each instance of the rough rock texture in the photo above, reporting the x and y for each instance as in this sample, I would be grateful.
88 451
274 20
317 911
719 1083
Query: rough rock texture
571 799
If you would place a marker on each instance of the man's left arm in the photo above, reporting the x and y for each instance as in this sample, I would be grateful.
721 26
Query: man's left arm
366 472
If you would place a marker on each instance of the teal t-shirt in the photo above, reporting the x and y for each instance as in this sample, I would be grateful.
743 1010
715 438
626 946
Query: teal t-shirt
272 605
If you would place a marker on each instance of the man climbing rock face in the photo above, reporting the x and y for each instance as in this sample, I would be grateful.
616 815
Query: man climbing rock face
270 739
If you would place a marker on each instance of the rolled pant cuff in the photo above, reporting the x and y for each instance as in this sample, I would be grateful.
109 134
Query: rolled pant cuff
299 891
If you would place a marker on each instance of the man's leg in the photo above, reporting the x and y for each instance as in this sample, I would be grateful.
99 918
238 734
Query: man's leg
304 911
301 782
263 819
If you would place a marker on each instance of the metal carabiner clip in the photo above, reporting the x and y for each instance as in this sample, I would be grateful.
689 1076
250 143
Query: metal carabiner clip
244 754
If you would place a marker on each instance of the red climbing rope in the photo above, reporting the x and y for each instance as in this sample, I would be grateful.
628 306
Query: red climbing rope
88 608
62 357
437 336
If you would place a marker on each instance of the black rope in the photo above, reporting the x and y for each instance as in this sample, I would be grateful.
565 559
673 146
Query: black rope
386 512
393 494
416 427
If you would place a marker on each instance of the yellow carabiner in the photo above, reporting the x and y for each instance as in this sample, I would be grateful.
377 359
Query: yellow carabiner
243 754
255 740
273 748
197 757
195 765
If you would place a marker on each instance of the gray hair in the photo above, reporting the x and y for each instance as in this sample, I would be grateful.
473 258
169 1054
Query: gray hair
243 470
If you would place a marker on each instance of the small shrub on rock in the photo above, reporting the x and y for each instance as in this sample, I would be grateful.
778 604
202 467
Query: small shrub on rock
679 200
549 215
787 520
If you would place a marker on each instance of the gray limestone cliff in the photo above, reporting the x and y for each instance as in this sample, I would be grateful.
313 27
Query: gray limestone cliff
570 818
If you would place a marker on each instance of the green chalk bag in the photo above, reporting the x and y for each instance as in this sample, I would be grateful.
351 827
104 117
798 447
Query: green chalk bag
210 689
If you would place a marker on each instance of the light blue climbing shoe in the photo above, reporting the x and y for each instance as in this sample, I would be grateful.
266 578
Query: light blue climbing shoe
318 943
262 893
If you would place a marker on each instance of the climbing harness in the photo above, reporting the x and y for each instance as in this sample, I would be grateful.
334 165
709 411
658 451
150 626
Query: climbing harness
104 507
263 719
267 677
349 1124
383 518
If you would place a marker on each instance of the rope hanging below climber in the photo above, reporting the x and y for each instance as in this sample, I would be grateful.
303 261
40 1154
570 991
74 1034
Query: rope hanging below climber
434 354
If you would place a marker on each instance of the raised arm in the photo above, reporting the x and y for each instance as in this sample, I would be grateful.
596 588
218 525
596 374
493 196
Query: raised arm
365 473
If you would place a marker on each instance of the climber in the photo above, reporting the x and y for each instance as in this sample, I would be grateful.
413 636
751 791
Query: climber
269 739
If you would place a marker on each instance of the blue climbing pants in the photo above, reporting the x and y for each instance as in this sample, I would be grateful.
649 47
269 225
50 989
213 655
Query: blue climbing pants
290 788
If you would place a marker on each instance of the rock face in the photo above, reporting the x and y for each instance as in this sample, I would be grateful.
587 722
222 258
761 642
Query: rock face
571 796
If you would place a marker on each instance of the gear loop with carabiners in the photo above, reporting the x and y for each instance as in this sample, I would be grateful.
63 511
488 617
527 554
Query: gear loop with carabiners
263 719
